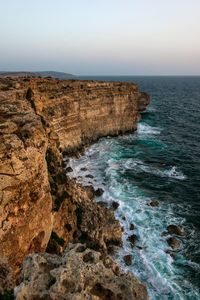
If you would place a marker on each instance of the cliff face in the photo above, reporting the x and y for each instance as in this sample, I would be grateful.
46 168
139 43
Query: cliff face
40 118
25 199
82 111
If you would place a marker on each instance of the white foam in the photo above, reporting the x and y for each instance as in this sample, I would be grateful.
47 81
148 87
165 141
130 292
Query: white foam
174 173
139 165
152 264
147 129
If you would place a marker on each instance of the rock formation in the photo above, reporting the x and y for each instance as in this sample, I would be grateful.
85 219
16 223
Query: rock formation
40 207
80 274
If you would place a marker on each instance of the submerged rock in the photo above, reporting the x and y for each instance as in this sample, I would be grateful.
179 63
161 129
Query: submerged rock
132 226
79 274
153 203
174 229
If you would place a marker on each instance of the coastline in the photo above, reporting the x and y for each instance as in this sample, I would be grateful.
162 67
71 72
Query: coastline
41 119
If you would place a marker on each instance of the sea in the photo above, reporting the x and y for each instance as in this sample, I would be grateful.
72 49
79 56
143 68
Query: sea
160 161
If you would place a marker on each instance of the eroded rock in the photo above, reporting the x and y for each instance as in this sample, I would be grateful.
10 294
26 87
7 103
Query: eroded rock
98 225
174 243
84 274
175 229
6 279
38 119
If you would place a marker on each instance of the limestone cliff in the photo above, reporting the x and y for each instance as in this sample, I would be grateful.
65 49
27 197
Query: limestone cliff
40 208
82 111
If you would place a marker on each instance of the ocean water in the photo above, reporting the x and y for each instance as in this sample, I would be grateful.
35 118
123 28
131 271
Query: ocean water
161 160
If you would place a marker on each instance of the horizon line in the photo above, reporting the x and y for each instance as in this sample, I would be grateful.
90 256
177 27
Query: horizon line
110 75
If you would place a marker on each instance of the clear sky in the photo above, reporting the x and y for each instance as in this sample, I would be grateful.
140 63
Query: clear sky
101 37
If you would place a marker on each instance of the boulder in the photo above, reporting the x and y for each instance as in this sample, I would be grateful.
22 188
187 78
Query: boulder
97 225
115 205
174 243
83 169
99 192
69 169
128 259
132 239
89 176
175 229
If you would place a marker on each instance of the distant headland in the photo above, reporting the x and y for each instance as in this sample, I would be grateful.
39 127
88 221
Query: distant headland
53 74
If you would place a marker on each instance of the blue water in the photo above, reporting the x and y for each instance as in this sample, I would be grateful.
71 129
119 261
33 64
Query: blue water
160 161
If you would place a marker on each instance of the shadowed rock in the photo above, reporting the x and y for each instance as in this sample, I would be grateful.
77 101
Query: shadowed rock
89 176
69 169
133 239
83 169
128 259
99 192
115 205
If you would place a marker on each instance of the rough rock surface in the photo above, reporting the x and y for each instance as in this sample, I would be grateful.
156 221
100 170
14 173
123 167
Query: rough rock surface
6 280
80 274
174 243
83 111
174 229
25 200
40 207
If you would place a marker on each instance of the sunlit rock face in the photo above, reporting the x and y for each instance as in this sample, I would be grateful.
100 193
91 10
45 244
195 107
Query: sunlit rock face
39 119
82 111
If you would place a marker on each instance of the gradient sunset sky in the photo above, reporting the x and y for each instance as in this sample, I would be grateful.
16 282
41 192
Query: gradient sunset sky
101 37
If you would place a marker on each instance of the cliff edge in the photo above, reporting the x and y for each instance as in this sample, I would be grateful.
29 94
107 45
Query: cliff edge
41 209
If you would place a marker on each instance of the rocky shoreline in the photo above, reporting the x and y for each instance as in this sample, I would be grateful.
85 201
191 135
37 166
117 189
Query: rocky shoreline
42 209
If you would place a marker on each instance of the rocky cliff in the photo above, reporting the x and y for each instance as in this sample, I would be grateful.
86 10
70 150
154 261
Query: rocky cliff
40 207
80 274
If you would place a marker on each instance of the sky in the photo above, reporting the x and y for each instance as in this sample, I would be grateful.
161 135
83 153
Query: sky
101 37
